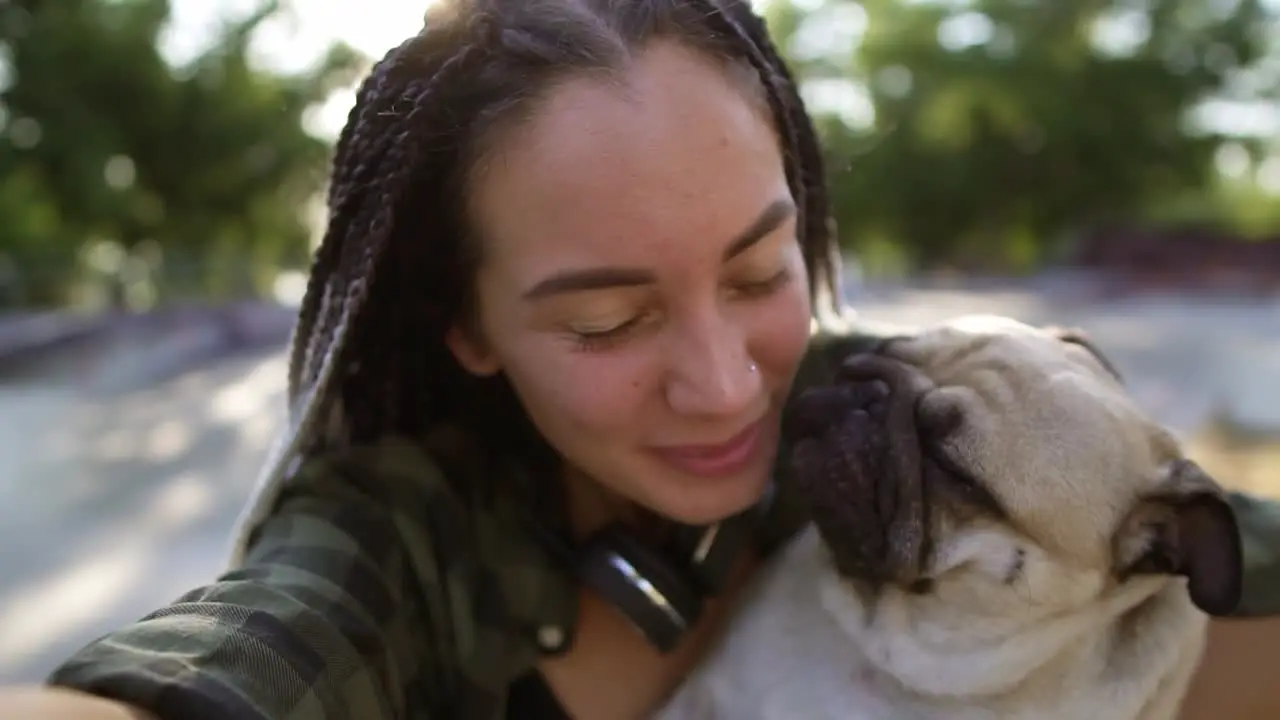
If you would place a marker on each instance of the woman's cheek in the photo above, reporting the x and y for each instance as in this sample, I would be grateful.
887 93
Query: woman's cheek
780 329
598 390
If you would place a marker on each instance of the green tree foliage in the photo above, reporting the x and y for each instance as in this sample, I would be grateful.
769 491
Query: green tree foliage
996 126
971 133
205 169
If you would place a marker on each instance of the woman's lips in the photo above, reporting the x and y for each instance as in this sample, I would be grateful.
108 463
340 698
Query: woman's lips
718 460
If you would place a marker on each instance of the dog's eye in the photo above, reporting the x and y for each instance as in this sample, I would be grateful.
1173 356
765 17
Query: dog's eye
949 467
958 481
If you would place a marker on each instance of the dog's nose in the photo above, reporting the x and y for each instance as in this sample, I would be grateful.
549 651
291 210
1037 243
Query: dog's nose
819 409
816 410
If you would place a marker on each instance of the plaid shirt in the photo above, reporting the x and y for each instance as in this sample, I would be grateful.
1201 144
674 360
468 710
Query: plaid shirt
375 592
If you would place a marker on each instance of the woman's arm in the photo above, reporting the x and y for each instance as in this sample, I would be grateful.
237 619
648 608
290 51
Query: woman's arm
329 617
56 704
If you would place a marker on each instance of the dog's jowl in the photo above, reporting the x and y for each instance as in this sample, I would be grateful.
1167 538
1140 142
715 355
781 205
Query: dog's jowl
999 532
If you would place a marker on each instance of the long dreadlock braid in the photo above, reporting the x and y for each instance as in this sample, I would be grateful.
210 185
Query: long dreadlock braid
365 142
821 250
395 265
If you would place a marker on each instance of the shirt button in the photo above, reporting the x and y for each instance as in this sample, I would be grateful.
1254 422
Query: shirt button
550 638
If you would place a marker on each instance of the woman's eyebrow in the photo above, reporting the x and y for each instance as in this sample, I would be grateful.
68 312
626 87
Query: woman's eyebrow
601 278
776 213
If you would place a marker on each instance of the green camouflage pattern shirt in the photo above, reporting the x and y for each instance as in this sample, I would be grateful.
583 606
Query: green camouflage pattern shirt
375 592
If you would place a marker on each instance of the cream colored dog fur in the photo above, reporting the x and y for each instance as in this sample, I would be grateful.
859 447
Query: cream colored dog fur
1020 542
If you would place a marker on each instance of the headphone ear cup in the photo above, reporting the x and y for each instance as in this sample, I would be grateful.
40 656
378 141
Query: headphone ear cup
641 584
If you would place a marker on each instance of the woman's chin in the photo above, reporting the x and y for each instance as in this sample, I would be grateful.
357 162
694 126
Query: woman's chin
706 502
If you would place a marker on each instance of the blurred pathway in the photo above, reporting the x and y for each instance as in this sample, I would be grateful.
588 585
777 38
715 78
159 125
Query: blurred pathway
112 505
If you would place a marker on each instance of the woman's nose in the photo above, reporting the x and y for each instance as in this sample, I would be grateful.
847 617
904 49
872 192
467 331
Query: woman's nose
713 374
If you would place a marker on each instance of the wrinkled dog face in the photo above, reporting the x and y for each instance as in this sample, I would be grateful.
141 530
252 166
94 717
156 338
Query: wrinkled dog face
1002 470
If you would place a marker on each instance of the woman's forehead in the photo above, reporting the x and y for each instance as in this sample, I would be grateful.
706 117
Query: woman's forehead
672 152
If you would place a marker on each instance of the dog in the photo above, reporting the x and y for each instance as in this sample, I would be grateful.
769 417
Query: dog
998 532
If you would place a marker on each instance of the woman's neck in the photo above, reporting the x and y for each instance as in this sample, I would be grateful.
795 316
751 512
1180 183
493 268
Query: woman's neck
592 506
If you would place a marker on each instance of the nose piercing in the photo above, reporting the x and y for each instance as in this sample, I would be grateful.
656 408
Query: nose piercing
752 368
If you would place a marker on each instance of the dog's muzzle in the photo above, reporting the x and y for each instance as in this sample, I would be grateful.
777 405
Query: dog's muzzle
856 459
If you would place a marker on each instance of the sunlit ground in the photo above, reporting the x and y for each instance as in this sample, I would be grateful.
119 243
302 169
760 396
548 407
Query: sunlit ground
111 506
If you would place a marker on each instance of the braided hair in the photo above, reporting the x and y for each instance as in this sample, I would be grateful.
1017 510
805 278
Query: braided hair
395 267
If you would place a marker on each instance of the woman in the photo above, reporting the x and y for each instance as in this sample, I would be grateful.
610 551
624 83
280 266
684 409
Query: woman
574 252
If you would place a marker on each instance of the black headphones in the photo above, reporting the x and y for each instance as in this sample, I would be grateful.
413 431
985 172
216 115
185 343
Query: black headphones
661 590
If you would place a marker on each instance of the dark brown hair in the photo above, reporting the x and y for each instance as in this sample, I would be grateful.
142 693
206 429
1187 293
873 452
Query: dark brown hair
395 269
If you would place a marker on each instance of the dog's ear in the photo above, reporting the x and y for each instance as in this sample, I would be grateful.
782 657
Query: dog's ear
1076 336
1185 527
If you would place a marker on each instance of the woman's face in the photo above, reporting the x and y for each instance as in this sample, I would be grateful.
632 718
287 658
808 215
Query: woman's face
642 284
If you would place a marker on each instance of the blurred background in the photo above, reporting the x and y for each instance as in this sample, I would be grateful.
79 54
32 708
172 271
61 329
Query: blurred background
1109 164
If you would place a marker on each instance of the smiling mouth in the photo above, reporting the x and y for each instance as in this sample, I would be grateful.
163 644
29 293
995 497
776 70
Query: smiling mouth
718 459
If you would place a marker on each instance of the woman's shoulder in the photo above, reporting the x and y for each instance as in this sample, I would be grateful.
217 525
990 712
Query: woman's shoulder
462 524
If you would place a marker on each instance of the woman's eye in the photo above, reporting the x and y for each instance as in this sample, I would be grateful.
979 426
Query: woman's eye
596 339
757 288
